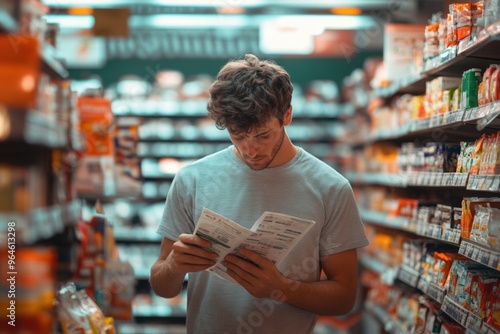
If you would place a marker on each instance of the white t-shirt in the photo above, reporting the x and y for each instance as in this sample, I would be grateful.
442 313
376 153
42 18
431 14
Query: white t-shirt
305 187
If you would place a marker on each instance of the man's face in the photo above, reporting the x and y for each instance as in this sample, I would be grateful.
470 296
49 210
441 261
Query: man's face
259 147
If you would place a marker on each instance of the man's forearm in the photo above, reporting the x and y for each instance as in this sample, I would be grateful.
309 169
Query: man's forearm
164 282
323 297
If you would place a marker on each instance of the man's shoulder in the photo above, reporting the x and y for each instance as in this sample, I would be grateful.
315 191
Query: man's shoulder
322 169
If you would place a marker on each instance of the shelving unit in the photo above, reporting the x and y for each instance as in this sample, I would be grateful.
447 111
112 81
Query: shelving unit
463 124
39 213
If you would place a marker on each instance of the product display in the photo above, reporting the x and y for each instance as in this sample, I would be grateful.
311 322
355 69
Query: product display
93 130
433 262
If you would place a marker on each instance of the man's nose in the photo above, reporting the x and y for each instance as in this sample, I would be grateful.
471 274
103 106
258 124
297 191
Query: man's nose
252 148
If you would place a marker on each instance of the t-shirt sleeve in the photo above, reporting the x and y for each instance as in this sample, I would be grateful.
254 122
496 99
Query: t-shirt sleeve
177 213
344 229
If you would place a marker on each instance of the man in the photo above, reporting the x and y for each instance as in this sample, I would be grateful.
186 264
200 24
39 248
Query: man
261 171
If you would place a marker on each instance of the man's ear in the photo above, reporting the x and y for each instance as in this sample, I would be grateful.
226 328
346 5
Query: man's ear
288 116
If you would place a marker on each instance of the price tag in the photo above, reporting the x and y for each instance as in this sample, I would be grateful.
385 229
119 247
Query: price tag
431 179
475 253
436 233
488 182
408 276
470 251
495 185
423 285
487 329
481 182
454 311
474 113
473 321
447 234
463 247
493 261
484 257
460 115
436 292
473 180
421 179
464 176
439 179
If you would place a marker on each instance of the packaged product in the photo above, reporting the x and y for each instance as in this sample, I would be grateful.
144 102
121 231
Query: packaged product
456 99
493 309
482 287
434 320
451 32
442 265
494 165
476 155
464 285
451 328
451 151
72 315
479 230
469 89
465 158
462 19
486 84
95 315
494 228
485 156
442 34
494 84
431 43
20 68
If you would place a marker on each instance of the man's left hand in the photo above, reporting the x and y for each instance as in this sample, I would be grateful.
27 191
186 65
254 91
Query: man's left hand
259 276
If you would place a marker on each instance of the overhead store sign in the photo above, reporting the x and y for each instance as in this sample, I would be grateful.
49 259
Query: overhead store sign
192 43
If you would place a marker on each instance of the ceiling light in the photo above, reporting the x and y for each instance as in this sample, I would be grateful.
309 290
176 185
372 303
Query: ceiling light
230 10
80 11
346 11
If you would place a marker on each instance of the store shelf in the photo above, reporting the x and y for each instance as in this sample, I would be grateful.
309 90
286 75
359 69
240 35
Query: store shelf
486 44
480 253
454 122
488 329
408 275
490 183
455 311
484 183
41 223
409 85
386 220
390 180
316 111
7 22
432 290
434 231
134 328
469 320
132 235
479 53
32 128
52 63
387 273
391 325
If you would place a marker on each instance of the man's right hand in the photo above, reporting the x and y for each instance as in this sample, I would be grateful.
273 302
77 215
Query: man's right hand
187 254
190 254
